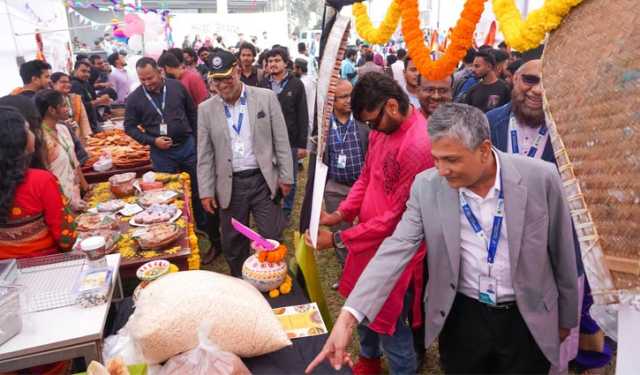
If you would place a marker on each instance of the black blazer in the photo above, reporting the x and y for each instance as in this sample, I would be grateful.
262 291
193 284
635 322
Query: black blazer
293 102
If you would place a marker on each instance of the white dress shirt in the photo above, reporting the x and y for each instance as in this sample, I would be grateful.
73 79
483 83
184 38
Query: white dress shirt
245 160
474 249
397 69
526 137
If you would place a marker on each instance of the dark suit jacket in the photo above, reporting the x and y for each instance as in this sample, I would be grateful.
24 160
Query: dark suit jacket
293 102
499 123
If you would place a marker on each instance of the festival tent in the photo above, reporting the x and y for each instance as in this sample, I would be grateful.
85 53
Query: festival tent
21 20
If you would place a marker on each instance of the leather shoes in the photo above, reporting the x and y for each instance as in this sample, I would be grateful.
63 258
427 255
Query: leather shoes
212 254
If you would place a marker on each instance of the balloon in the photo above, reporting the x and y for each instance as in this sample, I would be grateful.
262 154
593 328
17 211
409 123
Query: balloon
154 48
133 25
135 42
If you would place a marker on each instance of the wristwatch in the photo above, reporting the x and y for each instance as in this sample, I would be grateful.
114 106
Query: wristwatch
337 240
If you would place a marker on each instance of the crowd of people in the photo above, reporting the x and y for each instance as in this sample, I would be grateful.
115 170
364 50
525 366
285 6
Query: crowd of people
442 201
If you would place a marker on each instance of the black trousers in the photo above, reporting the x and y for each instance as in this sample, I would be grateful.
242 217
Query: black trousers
479 339
250 195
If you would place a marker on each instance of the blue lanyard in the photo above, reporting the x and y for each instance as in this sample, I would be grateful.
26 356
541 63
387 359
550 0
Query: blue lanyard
337 133
243 103
536 143
153 103
496 228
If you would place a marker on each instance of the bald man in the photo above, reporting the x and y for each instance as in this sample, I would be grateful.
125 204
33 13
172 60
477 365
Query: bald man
519 127
344 154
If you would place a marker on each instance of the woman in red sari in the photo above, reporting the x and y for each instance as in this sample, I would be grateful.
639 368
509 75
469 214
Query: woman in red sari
34 217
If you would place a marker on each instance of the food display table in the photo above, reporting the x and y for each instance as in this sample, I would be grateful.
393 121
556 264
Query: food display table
127 155
183 252
94 177
60 334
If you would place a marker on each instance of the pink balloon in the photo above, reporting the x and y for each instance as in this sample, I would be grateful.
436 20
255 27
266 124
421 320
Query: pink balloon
133 25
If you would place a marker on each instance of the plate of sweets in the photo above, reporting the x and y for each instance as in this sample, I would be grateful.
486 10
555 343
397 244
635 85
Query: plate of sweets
92 221
157 235
156 214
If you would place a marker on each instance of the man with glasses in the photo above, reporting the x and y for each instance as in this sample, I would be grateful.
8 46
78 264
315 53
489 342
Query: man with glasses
520 128
345 154
399 149
432 93
244 158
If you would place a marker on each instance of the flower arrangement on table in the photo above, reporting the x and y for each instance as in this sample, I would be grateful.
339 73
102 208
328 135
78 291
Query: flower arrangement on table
180 183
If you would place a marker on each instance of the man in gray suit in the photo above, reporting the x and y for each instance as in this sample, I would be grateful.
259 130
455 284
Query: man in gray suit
243 158
502 291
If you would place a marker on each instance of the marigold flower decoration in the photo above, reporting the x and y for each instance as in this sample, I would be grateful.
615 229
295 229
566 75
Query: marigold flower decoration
461 38
367 31
524 35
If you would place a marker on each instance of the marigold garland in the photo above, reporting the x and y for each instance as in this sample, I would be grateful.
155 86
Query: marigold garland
525 35
367 31
461 38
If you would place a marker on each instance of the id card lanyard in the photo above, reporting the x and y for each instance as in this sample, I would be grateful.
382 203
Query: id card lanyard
237 127
342 157
163 124
492 243
514 138
335 127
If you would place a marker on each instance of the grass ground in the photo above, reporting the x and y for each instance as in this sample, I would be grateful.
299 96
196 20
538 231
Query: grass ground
330 273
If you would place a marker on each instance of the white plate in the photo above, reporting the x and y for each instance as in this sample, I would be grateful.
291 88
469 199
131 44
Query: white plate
173 219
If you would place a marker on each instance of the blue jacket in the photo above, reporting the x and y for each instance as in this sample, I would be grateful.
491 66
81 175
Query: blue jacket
499 125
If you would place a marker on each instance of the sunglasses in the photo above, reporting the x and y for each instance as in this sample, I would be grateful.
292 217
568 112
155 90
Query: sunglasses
373 124
530 79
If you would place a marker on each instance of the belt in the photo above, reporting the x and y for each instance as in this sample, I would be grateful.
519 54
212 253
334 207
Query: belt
503 306
175 144
247 173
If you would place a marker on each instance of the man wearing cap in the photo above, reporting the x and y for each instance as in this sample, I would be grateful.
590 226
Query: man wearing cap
244 158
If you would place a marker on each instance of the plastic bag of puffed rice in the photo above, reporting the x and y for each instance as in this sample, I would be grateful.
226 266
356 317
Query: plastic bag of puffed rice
170 310
205 359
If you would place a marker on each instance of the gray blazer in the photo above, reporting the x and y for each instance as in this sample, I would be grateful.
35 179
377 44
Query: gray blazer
543 265
269 138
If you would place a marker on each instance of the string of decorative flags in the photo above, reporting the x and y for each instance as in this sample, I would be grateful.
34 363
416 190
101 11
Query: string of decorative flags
120 6
519 34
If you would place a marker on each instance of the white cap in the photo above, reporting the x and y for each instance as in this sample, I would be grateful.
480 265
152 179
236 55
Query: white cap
92 243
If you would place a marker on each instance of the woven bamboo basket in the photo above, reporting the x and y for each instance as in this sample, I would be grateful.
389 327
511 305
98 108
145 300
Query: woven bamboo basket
591 77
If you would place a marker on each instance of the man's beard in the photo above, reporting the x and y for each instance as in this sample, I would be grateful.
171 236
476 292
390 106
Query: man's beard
527 116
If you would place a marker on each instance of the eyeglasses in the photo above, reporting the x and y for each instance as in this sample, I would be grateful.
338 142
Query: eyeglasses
530 79
442 91
373 124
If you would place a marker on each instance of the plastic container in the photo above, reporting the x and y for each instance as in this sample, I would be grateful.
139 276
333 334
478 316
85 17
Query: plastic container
8 271
95 248
10 316
92 287
122 184
103 165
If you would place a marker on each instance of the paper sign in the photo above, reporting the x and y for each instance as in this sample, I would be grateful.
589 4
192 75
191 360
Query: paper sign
301 320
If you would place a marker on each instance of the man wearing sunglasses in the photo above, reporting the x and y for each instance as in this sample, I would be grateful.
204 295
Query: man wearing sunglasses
244 158
519 127
399 149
